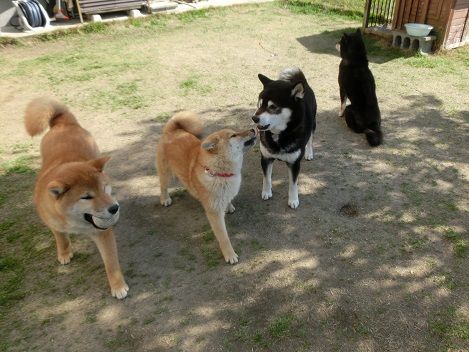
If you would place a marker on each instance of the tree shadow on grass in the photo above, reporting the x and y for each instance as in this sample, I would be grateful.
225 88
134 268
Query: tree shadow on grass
317 276
379 49
382 277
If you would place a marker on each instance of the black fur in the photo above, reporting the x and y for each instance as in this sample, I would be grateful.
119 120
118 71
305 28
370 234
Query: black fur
302 121
357 83
301 124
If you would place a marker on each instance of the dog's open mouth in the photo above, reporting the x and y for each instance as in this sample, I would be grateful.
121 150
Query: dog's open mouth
263 128
89 218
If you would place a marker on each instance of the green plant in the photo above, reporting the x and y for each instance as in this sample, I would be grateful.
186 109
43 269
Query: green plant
20 165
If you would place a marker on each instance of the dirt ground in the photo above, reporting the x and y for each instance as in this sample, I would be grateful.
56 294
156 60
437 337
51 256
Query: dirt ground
374 259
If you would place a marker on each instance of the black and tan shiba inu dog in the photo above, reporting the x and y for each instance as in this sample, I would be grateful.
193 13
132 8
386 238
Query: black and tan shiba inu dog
356 83
286 120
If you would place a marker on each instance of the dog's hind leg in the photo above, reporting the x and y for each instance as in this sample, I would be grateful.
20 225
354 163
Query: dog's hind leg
267 164
217 222
165 175
64 247
352 121
293 171
343 102
309 154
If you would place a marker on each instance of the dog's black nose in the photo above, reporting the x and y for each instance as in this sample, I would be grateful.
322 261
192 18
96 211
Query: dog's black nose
113 209
255 119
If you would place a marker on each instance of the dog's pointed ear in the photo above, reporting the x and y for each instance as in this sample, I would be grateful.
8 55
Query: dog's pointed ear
264 79
359 32
98 164
298 91
210 144
57 188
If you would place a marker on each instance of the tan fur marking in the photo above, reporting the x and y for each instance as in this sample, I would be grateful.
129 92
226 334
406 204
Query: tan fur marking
71 185
182 153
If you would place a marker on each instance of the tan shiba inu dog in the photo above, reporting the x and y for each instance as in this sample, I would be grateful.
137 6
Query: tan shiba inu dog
72 194
210 169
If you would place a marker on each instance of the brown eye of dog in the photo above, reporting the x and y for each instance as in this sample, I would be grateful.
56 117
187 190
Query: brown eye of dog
273 107
87 197
233 135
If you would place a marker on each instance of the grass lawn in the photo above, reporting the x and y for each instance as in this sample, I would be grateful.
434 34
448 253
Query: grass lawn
391 275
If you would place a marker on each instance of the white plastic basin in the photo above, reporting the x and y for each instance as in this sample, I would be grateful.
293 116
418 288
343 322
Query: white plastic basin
418 29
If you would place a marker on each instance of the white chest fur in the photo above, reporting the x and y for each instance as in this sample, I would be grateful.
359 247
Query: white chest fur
287 157
222 189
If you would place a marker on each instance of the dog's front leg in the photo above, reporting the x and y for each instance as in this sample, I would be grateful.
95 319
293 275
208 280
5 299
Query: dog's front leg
293 171
64 247
217 221
309 154
230 209
106 243
266 164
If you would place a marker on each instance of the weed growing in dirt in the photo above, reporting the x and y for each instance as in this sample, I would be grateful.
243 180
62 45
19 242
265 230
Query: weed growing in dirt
352 9
194 84
449 327
120 96
20 165
190 16
460 245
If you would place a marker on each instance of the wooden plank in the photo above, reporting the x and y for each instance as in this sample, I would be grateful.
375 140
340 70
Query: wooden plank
465 35
424 12
413 11
460 5
407 10
366 15
448 23
85 3
101 6
397 21
460 14
458 22
79 10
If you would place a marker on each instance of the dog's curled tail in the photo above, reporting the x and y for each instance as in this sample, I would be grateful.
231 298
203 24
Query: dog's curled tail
292 74
43 112
186 121
374 137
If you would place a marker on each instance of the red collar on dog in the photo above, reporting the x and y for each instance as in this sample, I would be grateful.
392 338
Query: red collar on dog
219 174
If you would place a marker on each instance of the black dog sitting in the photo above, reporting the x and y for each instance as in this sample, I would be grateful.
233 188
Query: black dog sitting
356 83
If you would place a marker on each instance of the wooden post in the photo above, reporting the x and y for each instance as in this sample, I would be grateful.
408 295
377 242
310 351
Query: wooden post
444 39
366 14
79 11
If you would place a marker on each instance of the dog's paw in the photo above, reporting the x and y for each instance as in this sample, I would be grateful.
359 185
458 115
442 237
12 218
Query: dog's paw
293 203
341 113
232 258
309 156
166 202
120 291
267 194
65 258
230 209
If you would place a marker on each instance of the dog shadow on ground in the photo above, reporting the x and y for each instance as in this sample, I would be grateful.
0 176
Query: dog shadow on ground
367 259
